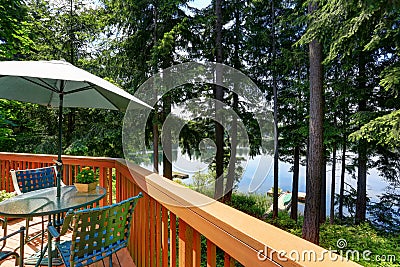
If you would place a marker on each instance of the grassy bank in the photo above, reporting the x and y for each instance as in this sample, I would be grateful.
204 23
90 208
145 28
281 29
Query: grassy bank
361 243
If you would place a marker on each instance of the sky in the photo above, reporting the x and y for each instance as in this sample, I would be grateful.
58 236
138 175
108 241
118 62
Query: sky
199 4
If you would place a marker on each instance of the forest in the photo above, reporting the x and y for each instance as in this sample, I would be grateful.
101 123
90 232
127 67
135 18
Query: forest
331 69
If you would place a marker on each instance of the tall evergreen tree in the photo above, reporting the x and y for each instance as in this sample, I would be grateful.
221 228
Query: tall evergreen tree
150 37
276 133
219 96
315 151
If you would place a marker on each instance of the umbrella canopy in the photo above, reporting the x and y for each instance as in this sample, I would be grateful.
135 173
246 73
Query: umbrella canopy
41 82
60 84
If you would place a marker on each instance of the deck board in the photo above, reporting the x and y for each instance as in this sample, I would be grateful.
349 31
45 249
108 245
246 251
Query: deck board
33 246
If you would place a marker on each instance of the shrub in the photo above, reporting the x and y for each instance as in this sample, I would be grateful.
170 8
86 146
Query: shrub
284 222
255 205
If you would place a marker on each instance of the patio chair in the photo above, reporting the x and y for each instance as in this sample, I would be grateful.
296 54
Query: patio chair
5 254
31 180
97 233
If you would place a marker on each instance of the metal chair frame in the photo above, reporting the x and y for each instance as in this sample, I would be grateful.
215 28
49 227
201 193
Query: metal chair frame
97 233
28 180
19 257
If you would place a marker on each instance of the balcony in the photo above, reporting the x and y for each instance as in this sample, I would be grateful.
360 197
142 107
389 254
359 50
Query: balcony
172 227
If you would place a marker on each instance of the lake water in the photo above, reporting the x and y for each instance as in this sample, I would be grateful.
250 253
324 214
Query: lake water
376 185
258 181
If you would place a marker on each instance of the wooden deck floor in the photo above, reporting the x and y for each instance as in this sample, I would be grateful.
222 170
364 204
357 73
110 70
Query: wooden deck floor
31 248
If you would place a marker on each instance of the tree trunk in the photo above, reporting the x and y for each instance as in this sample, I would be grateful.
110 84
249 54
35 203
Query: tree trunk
219 96
167 145
342 176
274 88
71 113
361 203
295 183
70 126
155 119
71 33
232 162
230 179
155 141
315 154
333 184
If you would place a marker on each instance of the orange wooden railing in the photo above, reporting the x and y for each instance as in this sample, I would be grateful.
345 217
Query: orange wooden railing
172 226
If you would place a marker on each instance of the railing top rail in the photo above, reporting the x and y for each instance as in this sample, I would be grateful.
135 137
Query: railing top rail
67 159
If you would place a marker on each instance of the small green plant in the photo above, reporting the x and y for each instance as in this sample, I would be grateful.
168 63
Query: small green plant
284 222
86 176
6 195
179 181
253 204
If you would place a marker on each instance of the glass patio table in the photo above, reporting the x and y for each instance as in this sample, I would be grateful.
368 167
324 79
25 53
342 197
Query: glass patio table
44 202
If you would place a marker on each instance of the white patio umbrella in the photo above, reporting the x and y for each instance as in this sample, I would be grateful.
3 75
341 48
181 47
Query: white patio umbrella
60 84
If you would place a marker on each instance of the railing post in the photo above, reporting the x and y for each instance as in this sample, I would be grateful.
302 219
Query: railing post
102 183
158 233
153 248
196 248
185 244
164 233
228 261
211 254
172 239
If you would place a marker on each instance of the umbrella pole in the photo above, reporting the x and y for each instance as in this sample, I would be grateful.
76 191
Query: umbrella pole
60 115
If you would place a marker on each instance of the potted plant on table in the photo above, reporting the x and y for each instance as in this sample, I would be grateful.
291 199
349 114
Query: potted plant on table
85 180
6 195
3 196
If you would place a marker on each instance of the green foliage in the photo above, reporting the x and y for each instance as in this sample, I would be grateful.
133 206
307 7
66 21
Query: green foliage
390 78
349 201
96 133
62 31
382 131
6 195
284 222
350 26
179 181
193 133
361 238
14 29
255 205
279 190
166 45
219 254
86 176
5 131
31 128
59 32
202 179
385 214
353 17
203 183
